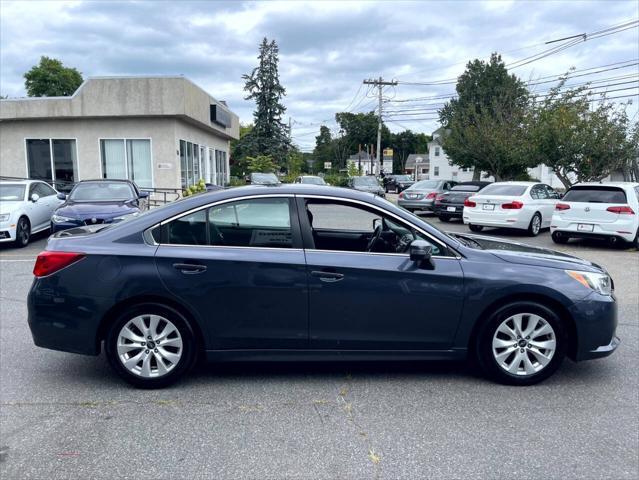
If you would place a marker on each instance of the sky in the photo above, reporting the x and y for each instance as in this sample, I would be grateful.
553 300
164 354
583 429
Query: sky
326 48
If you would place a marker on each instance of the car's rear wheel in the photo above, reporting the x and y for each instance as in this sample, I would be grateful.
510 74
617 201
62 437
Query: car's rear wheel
559 237
23 232
521 344
475 228
535 225
444 218
635 242
151 346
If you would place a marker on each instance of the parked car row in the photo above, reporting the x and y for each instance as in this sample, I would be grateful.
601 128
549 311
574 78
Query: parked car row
31 206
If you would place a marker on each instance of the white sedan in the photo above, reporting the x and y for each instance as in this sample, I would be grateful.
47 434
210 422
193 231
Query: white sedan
608 211
523 205
26 207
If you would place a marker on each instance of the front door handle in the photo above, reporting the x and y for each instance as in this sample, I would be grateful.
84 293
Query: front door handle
189 268
327 276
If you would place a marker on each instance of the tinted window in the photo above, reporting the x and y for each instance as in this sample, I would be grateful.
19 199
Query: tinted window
425 184
44 190
101 192
313 180
188 230
595 195
365 182
264 222
510 190
264 178
11 192
331 216
539 192
465 188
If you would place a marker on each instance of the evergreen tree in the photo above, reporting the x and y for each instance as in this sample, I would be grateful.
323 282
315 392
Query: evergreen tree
269 135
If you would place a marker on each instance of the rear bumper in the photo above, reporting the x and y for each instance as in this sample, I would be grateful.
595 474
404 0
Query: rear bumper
499 219
596 323
442 209
417 204
626 229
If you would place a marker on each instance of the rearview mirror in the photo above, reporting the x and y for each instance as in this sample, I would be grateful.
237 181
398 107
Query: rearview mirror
35 197
62 196
420 252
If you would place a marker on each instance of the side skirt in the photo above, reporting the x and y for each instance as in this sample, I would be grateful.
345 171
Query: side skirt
332 355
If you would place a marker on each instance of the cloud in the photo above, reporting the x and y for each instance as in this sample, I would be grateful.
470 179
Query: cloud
326 48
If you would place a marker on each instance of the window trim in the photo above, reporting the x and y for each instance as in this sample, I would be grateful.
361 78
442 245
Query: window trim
126 158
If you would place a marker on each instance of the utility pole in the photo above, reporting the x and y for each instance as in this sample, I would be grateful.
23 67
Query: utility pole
379 83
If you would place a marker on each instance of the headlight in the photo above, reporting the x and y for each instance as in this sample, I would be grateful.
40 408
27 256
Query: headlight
599 282
126 217
4 217
61 219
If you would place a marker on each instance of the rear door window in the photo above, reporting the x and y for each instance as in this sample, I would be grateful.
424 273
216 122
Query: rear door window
595 195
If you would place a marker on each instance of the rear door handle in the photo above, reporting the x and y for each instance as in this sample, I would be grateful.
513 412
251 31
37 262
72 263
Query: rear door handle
189 268
327 276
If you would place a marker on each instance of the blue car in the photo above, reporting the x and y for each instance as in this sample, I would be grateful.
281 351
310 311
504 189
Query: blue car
289 272
92 202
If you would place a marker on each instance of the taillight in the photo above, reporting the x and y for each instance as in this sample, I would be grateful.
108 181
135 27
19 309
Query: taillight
439 198
50 262
623 210
469 203
562 206
431 195
514 205
401 195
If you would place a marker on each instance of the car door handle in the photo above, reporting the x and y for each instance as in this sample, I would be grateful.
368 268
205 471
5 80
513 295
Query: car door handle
189 268
327 276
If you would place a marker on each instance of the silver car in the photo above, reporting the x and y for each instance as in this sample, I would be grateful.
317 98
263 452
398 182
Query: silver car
421 195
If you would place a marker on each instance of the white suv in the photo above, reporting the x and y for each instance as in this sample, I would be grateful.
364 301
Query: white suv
608 211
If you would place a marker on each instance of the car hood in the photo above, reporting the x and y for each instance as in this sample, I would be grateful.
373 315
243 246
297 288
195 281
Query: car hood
87 209
521 253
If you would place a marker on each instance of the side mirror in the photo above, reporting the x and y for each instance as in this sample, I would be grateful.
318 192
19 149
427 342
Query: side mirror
62 196
144 194
420 253
35 197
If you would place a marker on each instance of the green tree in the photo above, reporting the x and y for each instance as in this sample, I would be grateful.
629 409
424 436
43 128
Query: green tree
580 141
295 163
404 143
269 135
361 129
261 164
239 152
50 78
484 125
324 148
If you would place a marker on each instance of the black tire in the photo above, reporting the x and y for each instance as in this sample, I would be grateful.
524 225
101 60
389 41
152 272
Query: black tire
444 218
475 228
559 237
484 350
533 229
23 232
635 242
189 346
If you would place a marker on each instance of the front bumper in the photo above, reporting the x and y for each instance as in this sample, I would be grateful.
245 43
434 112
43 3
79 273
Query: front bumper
7 232
596 324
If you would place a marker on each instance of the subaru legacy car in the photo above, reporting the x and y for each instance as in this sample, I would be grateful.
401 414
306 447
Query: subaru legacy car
297 273
93 202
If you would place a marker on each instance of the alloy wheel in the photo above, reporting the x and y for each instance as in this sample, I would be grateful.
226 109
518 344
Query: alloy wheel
22 232
536 225
149 346
524 344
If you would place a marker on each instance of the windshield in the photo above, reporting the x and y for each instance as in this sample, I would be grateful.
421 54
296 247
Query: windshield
403 178
365 182
466 188
595 195
424 184
510 190
264 178
102 192
10 192
313 180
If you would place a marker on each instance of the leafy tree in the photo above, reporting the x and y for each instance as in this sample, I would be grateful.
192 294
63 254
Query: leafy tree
239 152
324 148
485 124
404 143
269 135
261 164
50 78
579 141
361 129
295 163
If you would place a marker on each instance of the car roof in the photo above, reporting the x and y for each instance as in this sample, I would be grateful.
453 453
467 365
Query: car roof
606 184
21 182
517 183
110 180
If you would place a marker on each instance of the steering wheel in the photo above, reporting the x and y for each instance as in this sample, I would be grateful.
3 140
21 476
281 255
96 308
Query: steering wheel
376 234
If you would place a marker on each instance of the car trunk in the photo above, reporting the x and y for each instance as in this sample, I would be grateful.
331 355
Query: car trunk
590 204
490 203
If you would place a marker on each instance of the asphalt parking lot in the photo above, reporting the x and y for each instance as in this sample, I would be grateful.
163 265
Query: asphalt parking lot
68 416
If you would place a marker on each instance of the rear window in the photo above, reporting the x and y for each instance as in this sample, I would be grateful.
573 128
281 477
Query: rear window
595 195
510 190
466 188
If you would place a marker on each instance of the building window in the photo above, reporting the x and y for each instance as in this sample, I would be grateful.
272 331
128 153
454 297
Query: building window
437 151
52 160
191 158
436 172
127 159
220 167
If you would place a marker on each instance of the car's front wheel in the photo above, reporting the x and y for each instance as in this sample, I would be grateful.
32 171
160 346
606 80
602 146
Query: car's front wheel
151 346
475 228
521 344
23 232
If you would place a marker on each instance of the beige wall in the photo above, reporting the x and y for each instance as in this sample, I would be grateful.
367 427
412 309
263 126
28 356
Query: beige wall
164 133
